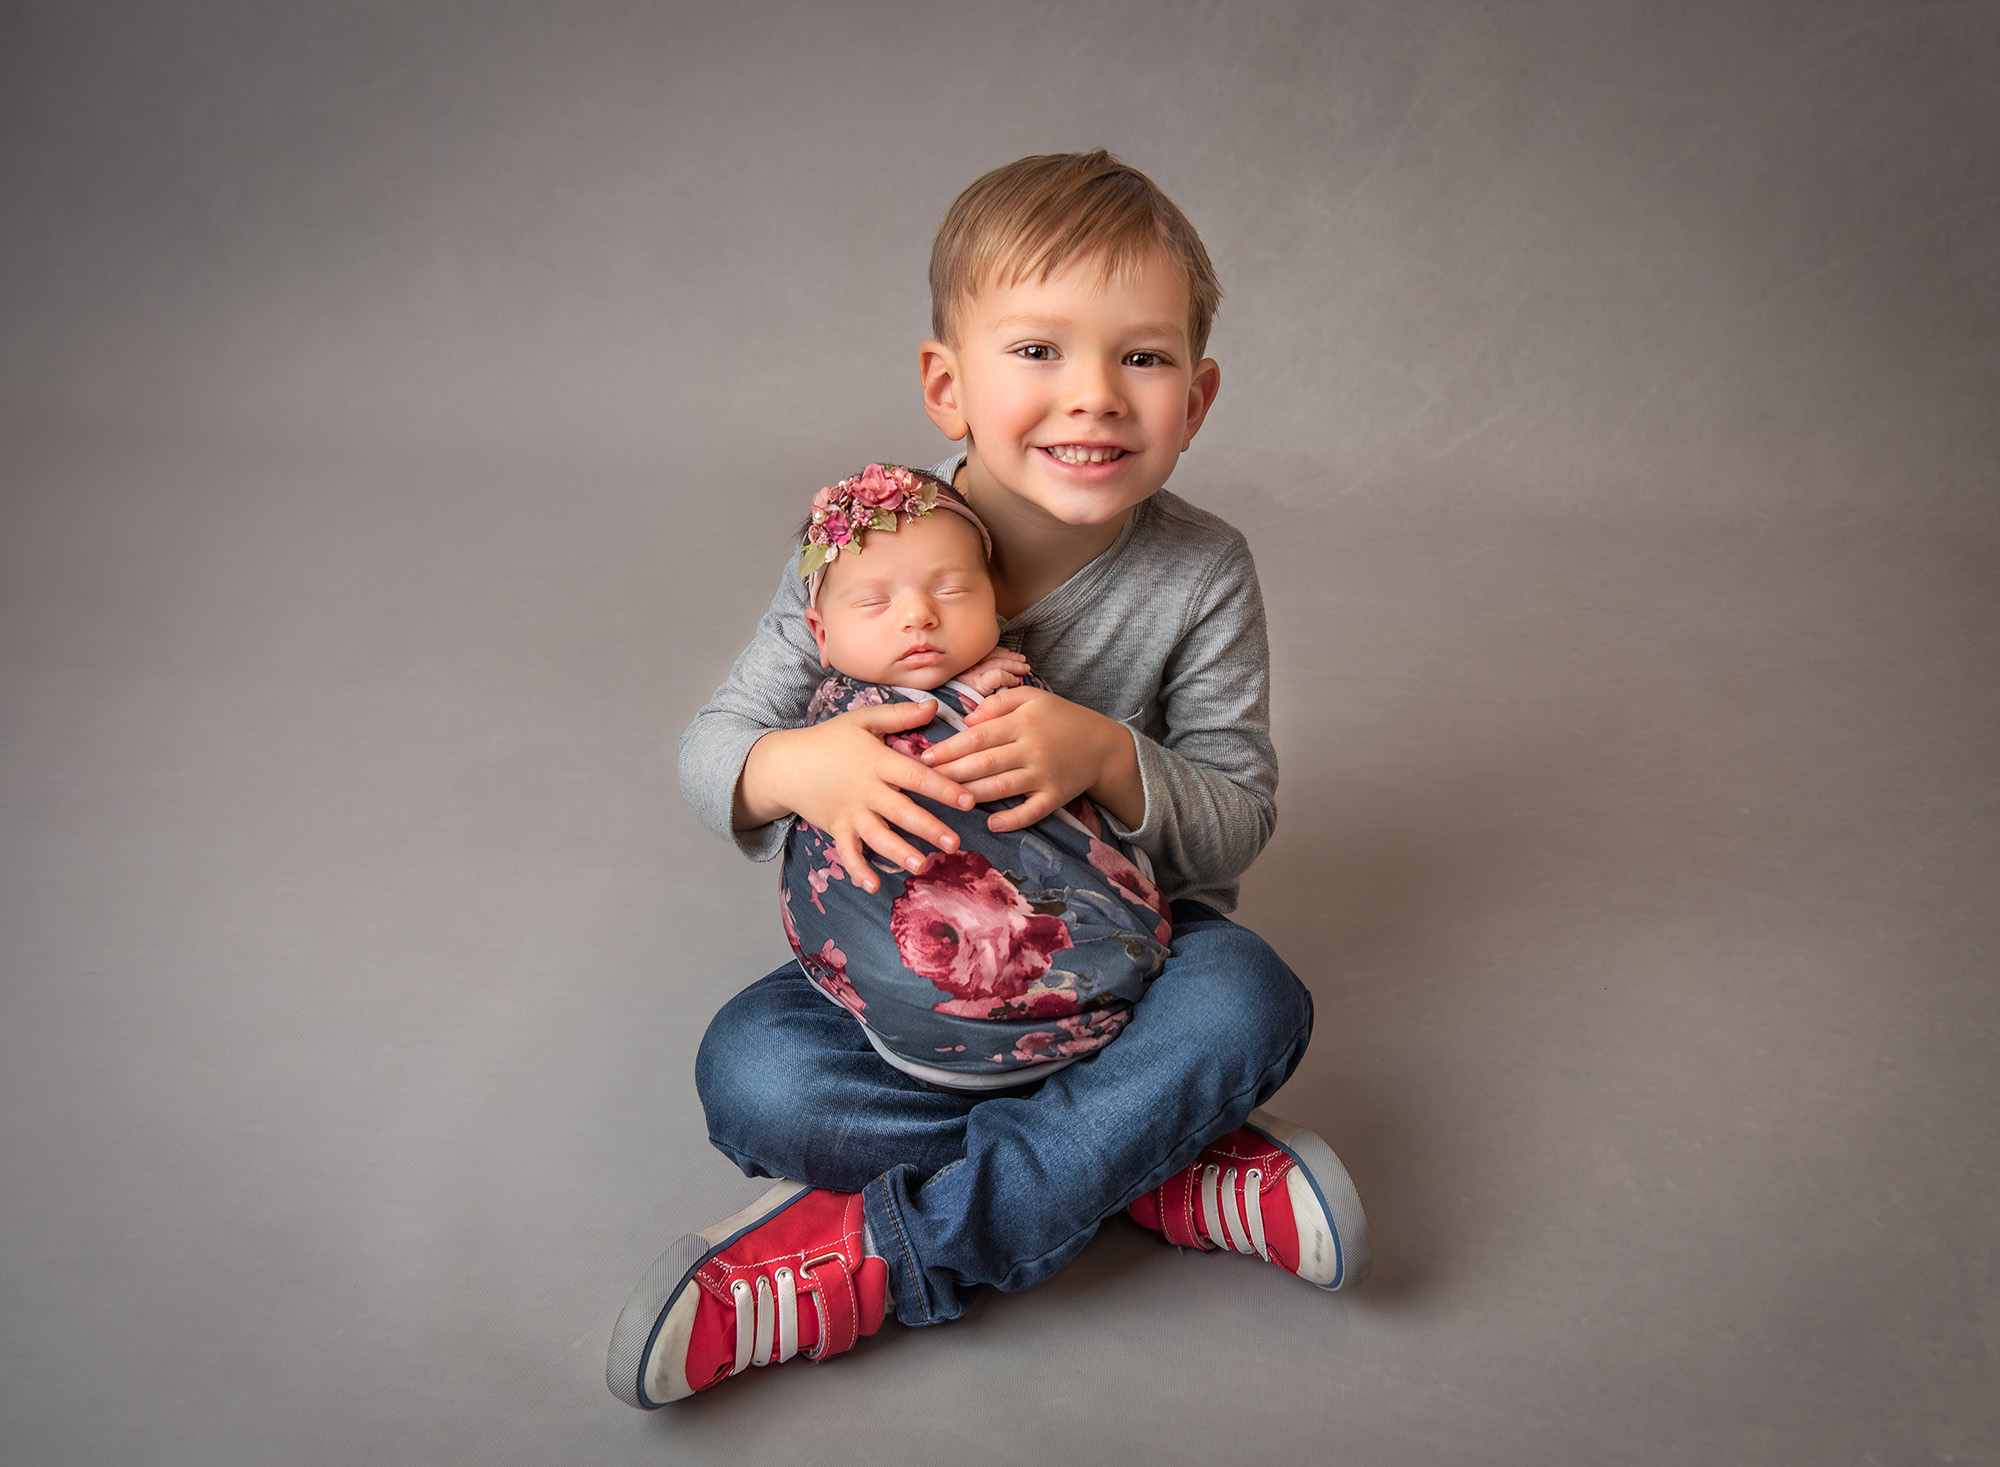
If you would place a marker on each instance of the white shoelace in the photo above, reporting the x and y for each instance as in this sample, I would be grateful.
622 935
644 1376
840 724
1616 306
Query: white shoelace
1232 1217
766 1319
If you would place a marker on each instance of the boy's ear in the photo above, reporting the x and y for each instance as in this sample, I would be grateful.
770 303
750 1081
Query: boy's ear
818 625
1201 397
937 369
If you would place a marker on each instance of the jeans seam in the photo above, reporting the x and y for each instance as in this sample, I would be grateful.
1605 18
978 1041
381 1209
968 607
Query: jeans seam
909 1256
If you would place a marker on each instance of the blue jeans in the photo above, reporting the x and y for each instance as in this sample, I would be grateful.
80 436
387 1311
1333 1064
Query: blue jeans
962 1190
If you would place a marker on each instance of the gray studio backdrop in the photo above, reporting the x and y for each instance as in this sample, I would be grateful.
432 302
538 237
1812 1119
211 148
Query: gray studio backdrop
402 409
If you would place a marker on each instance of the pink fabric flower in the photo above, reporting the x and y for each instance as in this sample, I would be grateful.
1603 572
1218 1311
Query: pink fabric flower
876 488
838 532
821 877
912 744
1086 1034
962 925
1051 1003
1085 810
1132 881
828 968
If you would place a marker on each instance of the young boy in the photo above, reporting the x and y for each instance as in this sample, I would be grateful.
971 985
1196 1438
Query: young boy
1071 303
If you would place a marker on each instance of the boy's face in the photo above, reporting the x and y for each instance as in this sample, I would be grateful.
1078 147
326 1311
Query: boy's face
1079 394
913 608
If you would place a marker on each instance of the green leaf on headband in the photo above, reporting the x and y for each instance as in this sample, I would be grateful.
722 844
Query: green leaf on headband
884 520
812 560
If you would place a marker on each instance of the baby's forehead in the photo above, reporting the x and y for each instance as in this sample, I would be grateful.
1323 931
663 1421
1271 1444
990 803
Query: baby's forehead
931 543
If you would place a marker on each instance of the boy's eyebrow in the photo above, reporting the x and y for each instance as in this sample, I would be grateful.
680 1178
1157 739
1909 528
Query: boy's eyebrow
1049 323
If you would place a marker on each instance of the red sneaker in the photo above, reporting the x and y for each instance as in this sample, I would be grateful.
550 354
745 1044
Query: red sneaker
783 1277
1273 1189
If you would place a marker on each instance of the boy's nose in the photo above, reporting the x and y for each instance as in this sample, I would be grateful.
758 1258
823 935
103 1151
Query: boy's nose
1094 389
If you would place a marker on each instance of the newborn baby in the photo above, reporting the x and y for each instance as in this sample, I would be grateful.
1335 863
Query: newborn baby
1019 952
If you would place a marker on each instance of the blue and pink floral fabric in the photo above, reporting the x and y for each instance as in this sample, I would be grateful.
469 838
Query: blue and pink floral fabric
1016 949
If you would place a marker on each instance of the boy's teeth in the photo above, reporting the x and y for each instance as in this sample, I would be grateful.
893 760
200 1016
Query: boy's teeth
1070 454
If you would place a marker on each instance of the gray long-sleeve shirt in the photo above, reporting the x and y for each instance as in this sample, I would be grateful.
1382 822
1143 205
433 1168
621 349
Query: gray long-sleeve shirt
1164 632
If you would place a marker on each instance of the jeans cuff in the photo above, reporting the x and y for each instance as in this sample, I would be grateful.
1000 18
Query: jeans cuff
906 1275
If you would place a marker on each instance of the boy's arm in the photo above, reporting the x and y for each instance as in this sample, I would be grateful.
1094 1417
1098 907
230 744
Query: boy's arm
1211 775
768 687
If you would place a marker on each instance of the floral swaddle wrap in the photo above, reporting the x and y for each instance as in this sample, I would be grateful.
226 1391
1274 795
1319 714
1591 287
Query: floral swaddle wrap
1020 948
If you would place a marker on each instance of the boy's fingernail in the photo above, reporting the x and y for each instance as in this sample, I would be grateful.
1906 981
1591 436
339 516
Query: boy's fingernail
965 802
915 863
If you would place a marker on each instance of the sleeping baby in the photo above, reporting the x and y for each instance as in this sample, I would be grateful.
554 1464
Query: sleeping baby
1019 952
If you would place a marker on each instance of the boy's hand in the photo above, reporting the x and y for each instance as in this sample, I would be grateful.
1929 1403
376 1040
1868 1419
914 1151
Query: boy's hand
842 777
1029 742
998 669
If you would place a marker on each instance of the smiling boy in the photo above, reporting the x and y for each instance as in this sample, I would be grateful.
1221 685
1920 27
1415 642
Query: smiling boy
1071 306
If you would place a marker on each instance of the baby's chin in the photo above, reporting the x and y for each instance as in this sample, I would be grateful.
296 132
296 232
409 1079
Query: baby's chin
923 679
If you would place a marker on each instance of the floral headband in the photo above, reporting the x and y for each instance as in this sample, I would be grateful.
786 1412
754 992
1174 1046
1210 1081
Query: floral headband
871 500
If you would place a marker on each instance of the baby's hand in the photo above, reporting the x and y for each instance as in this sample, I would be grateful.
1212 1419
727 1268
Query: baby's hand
999 669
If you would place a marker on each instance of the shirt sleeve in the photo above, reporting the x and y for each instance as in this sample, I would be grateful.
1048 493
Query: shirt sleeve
1207 765
770 687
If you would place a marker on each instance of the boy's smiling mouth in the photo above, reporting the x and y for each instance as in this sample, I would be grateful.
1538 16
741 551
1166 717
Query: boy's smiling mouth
1082 453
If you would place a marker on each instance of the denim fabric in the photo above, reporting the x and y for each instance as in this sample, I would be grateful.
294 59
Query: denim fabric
962 1190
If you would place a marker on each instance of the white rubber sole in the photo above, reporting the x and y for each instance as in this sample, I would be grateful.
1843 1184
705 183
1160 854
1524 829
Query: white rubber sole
647 1363
1333 1230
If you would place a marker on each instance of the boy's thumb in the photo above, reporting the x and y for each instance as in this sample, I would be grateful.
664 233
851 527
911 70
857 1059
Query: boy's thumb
895 716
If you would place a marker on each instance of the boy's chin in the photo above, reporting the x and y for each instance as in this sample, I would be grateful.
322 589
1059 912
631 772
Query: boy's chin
1083 506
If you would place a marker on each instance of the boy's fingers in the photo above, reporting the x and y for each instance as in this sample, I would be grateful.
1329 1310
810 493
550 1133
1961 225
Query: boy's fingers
895 717
907 773
961 744
855 859
1001 702
1022 815
1000 786
982 765
882 837
907 815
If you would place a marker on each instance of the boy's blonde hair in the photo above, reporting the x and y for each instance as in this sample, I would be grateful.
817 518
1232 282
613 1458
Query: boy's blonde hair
1036 216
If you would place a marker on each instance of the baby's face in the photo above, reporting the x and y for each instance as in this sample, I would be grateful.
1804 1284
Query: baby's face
913 608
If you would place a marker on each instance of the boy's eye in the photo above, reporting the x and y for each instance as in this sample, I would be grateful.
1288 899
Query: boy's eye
1145 359
1036 352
